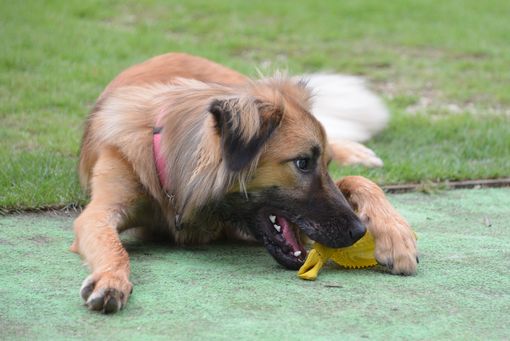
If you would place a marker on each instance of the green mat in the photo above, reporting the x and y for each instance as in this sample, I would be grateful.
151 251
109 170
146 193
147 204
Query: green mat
461 291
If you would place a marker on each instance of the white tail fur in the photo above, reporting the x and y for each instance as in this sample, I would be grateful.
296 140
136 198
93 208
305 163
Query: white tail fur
347 109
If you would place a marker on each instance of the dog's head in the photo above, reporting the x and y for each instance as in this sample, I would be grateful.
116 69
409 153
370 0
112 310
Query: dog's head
281 150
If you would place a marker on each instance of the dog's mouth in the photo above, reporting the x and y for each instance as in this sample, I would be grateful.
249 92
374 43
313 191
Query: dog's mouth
286 226
282 238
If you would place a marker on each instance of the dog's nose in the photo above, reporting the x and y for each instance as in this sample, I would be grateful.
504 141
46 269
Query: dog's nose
357 231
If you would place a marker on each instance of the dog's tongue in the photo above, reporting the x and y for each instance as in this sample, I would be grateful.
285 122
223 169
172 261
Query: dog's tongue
288 234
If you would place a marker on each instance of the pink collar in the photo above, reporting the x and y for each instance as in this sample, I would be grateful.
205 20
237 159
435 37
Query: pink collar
158 158
160 163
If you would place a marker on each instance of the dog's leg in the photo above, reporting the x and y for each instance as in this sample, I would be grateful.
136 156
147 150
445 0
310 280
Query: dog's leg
354 153
114 190
395 242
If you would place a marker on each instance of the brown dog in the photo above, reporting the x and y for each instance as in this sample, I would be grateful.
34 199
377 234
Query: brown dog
191 149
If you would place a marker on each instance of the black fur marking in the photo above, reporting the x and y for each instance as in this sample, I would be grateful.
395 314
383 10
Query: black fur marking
316 152
217 110
238 152
323 214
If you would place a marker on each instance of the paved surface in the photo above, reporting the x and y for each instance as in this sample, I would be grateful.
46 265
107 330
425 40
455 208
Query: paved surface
462 290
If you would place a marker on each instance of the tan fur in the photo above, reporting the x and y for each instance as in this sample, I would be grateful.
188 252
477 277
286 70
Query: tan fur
158 69
395 243
117 165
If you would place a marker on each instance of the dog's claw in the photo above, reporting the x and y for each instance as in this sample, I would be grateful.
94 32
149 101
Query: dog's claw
107 301
112 304
105 298
388 265
87 288
95 302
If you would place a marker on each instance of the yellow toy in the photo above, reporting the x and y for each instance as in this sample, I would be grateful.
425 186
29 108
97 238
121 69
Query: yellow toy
359 255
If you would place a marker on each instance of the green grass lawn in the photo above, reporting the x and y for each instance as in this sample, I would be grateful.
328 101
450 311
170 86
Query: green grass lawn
442 67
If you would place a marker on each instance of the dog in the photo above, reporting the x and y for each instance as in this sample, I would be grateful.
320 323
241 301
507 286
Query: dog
197 152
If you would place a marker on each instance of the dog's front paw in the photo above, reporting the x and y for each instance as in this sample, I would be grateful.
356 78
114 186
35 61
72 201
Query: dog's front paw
395 241
396 249
107 292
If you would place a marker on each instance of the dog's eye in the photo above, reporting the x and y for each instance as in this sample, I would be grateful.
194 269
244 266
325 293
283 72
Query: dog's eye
303 164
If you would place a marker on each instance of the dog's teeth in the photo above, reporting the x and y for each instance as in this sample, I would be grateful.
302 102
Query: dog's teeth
272 218
277 227
297 253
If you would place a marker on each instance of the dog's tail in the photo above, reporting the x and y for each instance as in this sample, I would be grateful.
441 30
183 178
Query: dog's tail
347 109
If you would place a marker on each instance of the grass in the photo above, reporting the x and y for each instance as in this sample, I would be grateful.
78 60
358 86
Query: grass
440 65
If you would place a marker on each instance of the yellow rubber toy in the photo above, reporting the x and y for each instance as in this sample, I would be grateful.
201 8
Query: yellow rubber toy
359 255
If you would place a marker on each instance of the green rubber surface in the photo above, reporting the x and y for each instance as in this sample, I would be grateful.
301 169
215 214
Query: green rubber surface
233 291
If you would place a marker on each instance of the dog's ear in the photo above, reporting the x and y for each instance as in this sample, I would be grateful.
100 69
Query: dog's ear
244 127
